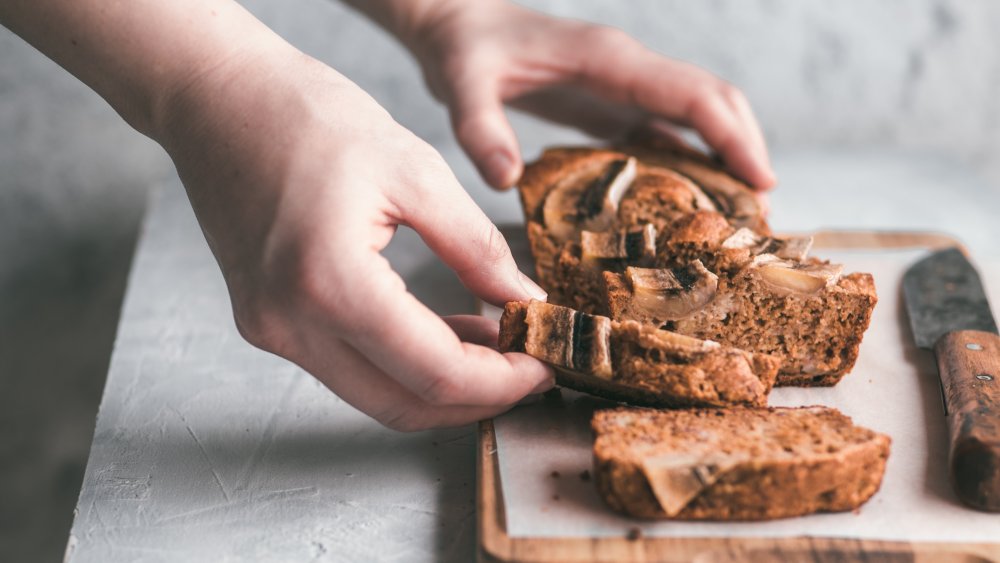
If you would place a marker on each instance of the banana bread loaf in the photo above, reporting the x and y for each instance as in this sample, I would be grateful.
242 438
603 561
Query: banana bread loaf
666 237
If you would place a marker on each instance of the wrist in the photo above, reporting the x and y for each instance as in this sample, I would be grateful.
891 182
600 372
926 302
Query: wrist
261 101
191 98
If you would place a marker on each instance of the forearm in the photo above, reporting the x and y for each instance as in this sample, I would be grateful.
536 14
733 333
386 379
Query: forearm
139 54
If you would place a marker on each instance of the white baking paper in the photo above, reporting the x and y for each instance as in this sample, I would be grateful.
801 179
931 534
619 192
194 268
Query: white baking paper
544 446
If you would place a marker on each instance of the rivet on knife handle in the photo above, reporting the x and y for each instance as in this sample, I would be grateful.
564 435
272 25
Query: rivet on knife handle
969 364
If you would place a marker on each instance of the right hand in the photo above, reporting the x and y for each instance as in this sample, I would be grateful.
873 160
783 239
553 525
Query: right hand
479 56
299 180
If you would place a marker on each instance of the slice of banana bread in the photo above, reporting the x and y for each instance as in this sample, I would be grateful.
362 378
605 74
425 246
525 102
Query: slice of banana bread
735 464
635 363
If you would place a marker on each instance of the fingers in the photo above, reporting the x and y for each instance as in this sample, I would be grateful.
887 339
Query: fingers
474 329
482 128
362 385
722 117
622 70
660 131
457 230
416 348
576 107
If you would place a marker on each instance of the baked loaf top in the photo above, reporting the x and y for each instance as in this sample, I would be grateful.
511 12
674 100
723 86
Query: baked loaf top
568 190
735 464
635 363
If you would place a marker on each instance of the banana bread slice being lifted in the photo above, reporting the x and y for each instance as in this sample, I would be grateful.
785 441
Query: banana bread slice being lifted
635 363
735 464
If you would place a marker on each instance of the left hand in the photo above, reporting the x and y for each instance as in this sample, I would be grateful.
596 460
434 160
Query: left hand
479 56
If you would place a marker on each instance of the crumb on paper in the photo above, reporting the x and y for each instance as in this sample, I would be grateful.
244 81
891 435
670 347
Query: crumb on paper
554 474
585 475
633 534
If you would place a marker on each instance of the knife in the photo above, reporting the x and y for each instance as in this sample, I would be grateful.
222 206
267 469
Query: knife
950 315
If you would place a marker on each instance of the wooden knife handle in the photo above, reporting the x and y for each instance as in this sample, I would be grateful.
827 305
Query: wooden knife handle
969 364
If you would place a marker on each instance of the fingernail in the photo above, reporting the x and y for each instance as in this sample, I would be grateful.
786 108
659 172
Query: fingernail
498 166
531 287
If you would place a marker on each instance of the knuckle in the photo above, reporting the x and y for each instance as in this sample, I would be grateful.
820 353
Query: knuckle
470 63
407 147
495 248
441 391
311 288
472 128
425 168
704 104
455 65
492 251
730 94
607 37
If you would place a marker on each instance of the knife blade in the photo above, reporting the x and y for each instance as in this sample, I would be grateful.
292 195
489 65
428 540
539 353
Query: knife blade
950 314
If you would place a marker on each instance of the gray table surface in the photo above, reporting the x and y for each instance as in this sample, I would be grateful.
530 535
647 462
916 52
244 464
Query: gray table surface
207 449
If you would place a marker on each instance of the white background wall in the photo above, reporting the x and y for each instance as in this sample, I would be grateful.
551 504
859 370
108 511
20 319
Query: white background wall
915 74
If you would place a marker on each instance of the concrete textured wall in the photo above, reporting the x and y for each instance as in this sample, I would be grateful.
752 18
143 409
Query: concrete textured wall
915 74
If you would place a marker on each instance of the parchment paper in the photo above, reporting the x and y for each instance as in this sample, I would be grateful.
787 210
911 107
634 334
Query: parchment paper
544 446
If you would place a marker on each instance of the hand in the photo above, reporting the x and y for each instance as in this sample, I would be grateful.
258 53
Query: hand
299 179
477 56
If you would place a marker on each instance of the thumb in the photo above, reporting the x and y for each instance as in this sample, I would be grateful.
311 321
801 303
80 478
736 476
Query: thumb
457 230
482 128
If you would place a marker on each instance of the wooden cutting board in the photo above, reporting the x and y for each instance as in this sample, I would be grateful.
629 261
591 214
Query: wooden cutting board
496 545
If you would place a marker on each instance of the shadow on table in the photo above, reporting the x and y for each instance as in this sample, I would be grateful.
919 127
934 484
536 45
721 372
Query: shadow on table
58 312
